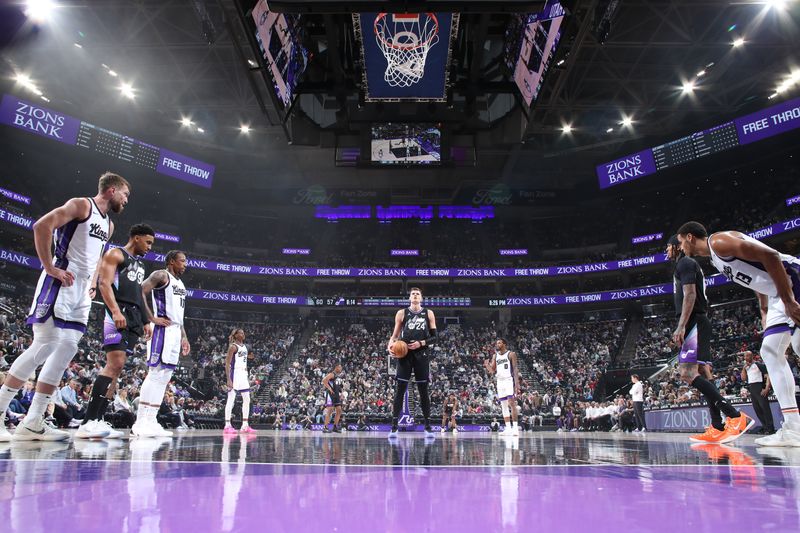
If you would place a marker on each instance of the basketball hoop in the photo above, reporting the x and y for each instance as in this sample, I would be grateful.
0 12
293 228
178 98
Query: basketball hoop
405 42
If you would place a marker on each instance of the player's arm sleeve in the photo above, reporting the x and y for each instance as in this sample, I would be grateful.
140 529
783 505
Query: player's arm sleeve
432 337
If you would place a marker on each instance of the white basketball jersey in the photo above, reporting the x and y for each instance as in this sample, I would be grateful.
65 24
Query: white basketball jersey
504 366
750 274
240 358
80 243
170 300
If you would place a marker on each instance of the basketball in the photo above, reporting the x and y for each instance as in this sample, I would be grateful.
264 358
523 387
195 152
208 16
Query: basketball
399 349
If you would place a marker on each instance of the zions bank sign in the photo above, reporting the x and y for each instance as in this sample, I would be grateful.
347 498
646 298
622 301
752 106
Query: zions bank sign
38 120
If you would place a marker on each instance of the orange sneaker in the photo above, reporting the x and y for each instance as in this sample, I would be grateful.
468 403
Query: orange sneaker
736 427
712 436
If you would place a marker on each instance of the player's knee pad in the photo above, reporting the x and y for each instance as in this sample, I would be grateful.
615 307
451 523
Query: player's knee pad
504 407
773 348
160 375
61 353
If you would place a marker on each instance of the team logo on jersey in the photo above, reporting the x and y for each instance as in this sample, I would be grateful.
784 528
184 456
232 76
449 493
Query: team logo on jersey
136 274
97 231
417 323
42 310
743 278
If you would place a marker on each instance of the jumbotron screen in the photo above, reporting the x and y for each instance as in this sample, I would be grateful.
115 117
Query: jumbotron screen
405 144
280 38
531 41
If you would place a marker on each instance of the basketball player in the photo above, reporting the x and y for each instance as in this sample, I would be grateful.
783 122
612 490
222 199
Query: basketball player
416 326
332 399
504 365
60 309
691 306
164 348
127 318
449 414
238 381
775 278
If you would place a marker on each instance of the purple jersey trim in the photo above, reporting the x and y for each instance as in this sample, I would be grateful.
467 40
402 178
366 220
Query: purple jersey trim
776 329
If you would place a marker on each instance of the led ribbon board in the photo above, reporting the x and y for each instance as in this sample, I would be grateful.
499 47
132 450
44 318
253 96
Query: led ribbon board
748 129
57 126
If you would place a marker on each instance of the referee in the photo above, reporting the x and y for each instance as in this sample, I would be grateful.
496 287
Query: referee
755 373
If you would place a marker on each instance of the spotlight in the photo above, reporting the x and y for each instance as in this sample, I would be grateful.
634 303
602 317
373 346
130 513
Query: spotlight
39 10
23 79
201 130
244 128
186 121
688 87
738 42
252 63
46 99
609 130
127 90
112 73
566 128
701 73
626 121
78 45
776 4
560 62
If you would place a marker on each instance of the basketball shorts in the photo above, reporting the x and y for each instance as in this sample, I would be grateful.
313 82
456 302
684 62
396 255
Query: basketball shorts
418 362
240 379
505 388
164 347
68 306
777 319
332 400
125 339
696 347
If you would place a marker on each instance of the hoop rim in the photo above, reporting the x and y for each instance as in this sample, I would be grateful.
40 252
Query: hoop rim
400 47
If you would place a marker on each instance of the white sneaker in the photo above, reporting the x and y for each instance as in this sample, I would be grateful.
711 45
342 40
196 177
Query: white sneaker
5 435
441 430
785 437
93 429
148 428
44 431
559 430
514 431
455 431
112 433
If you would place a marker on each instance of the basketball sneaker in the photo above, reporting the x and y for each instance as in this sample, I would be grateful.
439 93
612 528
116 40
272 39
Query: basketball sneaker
712 435
149 428
112 433
736 427
247 430
393 434
326 429
455 431
786 437
229 430
429 434
41 431
514 431
93 429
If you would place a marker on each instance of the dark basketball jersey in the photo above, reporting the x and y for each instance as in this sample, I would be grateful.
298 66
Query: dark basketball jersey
335 384
415 326
688 272
128 280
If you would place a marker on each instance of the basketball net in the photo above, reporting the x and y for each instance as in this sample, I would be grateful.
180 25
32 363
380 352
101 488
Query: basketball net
405 41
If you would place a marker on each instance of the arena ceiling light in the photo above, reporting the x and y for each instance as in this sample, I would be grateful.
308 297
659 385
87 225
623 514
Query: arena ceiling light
200 130
777 4
609 130
186 122
688 87
112 73
701 74
566 128
626 121
127 90
39 10
738 42
244 128
78 45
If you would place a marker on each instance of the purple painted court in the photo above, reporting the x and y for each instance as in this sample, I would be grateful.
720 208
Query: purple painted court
307 481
